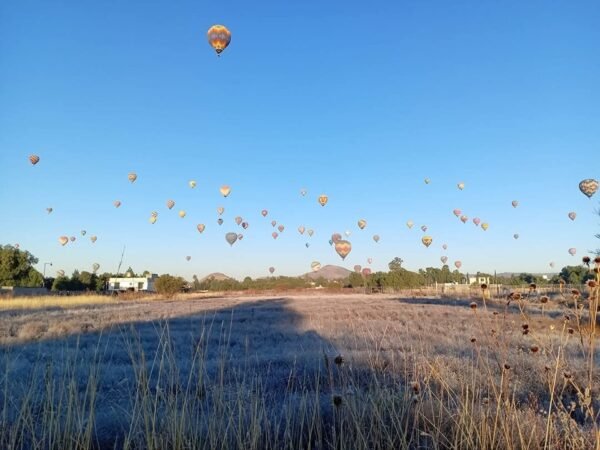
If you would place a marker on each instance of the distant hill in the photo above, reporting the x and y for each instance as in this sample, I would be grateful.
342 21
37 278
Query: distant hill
329 272
216 276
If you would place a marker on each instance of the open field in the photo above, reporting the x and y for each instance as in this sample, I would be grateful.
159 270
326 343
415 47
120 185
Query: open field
298 371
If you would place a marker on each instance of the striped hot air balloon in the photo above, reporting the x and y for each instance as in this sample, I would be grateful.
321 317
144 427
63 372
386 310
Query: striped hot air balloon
219 38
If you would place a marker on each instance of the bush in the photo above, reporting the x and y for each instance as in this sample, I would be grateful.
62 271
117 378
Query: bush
168 285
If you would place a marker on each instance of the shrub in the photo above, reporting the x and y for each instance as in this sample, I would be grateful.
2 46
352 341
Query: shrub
168 285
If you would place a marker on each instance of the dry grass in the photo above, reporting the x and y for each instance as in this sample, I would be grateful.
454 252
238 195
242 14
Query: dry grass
256 373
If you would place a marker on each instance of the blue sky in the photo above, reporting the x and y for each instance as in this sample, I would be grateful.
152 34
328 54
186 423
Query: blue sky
357 100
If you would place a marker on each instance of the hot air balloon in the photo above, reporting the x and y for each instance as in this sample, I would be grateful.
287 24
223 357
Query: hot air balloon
410 224
117 203
281 228
307 245
484 226
376 238
49 210
34 159
60 273
132 177
551 264
515 203
240 237
271 270
301 229
264 212
366 272
219 38
231 238
315 266
303 192
310 232
188 257
93 239
572 215
201 227
457 212
426 240
275 235
572 251
95 267
460 185
343 248
238 220
336 237
323 199
476 221
588 187
445 246
72 238
152 220
273 223
357 268
225 190
427 180
245 225
457 264
347 233
170 204
330 241
516 235
369 260
182 213
464 219
64 240
192 184
424 228
220 221
83 232
362 223
444 259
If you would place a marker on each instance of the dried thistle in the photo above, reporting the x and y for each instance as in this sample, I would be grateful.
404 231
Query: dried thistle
473 340
544 299
473 305
591 284
338 360
532 287
534 348
484 287
337 400
586 260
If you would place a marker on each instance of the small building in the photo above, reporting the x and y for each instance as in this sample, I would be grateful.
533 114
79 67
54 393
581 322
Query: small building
132 284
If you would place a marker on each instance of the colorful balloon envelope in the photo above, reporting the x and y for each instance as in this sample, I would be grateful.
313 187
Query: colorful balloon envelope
83 232
323 199
60 273
551 264
457 212
152 220
427 180
64 240
72 238
301 229
273 223
49 210
515 203
310 232
231 238
281 228
238 220
315 266
424 228
153 214
307 245
220 210
271 270
484 226
588 187
95 267
347 233
426 240
445 246
264 212
460 186
220 221
376 238
464 219
170 204
366 272
240 236
245 225
336 237
343 248
219 38
572 251
572 215
444 259
362 223
457 264
357 268
201 227
117 203
303 192
274 235
188 258
93 239
132 177
369 260
34 159
182 213
192 184
476 221
516 235
225 190
410 224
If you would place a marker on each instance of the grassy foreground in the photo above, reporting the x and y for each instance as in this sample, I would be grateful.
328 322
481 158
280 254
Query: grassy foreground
332 372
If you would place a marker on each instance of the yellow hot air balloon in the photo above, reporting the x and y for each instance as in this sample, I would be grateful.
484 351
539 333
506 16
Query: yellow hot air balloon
460 185
343 248
220 210
323 199
410 224
132 177
426 240
484 226
182 213
64 240
219 38
362 223
152 220
192 184
225 190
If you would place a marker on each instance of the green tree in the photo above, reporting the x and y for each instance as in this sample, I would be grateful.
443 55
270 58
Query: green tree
16 268
168 285
395 264
61 284
574 274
